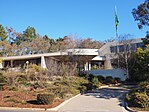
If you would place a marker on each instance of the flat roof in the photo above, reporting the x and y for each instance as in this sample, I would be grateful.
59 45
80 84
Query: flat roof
86 52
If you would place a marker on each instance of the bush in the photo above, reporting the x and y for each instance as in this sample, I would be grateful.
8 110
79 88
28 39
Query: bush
109 79
2 79
137 99
59 90
82 89
144 87
142 100
90 77
46 98
95 82
101 78
117 80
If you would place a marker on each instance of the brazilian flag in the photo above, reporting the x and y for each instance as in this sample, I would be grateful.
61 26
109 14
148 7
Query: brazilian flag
116 19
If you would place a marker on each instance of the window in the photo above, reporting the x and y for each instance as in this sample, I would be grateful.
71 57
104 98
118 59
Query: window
113 49
133 47
121 48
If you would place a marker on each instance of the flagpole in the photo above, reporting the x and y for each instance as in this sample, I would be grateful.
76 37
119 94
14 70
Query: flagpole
116 26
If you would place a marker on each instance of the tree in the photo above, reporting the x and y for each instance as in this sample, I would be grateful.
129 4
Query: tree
6 49
3 34
39 45
141 14
89 43
52 42
121 58
146 39
140 66
13 36
29 34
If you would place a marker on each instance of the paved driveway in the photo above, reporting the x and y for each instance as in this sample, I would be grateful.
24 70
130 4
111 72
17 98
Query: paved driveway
100 100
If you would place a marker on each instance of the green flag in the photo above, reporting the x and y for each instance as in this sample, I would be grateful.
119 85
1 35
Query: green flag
116 19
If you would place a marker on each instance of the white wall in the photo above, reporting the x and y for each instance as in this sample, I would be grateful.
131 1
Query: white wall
111 72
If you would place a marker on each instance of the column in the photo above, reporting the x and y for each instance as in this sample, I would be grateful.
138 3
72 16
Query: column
108 64
86 66
89 66
1 64
43 63
11 63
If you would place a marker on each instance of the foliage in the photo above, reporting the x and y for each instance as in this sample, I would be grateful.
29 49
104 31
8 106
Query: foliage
138 99
109 79
3 34
2 78
2 81
140 68
89 43
37 74
12 78
90 77
117 80
146 39
101 78
30 42
29 34
144 86
45 98
65 86
141 14
95 81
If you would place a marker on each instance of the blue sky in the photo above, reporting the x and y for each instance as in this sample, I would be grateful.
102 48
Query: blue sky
84 18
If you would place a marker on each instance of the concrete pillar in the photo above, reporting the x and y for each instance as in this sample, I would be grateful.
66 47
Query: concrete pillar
89 66
11 63
43 63
1 64
86 66
108 64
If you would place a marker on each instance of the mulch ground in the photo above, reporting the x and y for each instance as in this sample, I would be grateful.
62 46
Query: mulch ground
23 100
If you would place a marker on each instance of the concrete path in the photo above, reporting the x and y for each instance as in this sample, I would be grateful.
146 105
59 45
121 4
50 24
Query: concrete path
100 100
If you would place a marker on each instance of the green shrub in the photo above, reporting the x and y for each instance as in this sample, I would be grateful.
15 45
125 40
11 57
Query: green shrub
95 82
90 77
22 78
144 87
59 90
117 80
2 79
142 100
137 99
46 98
101 78
82 89
82 74
89 86
109 79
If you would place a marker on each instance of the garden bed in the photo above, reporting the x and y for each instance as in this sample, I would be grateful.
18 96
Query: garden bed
23 99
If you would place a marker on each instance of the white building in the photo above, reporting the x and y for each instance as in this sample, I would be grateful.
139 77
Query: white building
88 59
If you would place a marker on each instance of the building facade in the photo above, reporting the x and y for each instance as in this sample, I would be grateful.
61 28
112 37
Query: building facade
88 59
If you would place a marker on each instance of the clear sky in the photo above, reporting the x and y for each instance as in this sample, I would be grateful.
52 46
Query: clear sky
84 18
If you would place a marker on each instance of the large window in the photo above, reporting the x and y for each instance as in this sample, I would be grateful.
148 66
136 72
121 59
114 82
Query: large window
121 48
133 47
113 49
141 45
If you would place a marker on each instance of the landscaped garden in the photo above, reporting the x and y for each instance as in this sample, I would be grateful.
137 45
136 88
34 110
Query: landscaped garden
35 88
138 98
